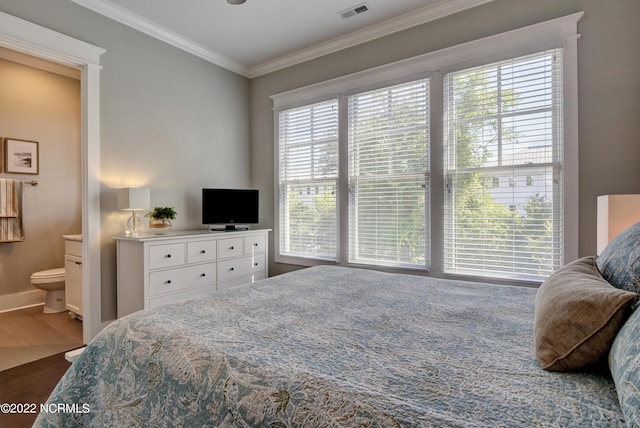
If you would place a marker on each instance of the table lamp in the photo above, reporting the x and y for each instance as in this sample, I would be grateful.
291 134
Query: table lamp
616 213
133 198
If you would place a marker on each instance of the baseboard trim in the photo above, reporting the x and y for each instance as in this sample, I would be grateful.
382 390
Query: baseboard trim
73 355
26 299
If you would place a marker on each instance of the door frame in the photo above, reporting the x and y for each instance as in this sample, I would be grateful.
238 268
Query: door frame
31 39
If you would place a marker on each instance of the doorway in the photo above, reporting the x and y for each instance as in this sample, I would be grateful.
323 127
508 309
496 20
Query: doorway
31 39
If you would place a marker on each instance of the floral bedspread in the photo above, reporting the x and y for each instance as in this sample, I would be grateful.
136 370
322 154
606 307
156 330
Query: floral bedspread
330 347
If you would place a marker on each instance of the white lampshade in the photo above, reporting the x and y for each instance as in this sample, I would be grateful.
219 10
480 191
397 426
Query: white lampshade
133 198
616 213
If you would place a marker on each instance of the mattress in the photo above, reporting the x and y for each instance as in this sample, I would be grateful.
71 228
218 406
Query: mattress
331 346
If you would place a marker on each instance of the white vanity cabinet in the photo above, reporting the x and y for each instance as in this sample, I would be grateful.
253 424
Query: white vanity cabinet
157 269
73 273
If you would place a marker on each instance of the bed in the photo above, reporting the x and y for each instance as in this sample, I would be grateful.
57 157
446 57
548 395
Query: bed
332 346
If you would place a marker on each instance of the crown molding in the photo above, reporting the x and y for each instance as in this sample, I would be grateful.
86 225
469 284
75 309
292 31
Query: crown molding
420 16
555 33
150 28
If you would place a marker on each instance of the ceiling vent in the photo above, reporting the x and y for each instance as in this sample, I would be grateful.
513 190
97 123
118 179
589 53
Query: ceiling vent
355 10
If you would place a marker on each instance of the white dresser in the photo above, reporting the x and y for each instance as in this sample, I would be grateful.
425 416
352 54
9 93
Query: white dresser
157 269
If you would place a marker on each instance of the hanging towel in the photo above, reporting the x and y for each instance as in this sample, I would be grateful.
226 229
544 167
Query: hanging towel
8 198
11 210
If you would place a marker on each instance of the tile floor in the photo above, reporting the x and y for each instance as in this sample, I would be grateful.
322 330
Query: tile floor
28 334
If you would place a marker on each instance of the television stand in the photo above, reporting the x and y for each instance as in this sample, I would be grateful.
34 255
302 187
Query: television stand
231 227
227 228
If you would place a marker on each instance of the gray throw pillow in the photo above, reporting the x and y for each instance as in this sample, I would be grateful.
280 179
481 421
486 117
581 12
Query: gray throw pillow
577 317
619 262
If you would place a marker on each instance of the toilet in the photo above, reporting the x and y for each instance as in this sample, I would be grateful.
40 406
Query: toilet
51 281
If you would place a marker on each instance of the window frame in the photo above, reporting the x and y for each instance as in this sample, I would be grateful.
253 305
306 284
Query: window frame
548 69
279 196
356 253
556 33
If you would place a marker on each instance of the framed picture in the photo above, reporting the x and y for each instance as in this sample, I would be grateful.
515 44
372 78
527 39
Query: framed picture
21 156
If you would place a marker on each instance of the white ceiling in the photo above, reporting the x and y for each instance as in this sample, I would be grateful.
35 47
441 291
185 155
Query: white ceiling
262 36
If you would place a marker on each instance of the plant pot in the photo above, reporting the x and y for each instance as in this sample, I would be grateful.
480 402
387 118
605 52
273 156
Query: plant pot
160 226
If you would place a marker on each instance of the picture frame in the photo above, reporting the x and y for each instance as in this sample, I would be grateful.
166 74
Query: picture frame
21 156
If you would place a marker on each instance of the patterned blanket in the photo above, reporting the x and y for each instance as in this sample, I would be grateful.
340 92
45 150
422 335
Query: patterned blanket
330 346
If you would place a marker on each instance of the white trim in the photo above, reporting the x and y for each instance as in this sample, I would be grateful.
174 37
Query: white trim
25 299
38 63
570 150
73 355
412 19
554 33
420 16
32 39
150 28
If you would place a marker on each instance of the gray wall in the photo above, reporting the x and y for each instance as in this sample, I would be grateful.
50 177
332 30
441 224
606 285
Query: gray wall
169 121
41 106
609 90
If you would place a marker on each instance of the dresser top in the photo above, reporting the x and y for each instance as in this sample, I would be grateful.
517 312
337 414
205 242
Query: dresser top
181 234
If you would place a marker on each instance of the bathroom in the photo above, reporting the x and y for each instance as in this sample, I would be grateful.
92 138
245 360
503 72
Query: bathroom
39 102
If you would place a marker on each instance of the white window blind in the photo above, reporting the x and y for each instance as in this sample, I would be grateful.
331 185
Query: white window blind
308 180
388 146
503 142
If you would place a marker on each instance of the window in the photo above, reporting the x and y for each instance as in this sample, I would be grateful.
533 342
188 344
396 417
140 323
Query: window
461 161
388 164
308 181
504 118
387 143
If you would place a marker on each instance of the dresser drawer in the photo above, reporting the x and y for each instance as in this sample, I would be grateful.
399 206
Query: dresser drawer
172 280
254 244
228 269
166 255
247 279
201 251
182 295
231 247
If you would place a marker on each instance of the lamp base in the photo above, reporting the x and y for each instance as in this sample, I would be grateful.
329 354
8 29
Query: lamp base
133 224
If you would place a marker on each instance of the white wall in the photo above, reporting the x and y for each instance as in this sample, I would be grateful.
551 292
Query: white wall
41 106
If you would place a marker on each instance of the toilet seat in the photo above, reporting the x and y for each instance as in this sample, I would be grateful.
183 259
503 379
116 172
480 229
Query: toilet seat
48 276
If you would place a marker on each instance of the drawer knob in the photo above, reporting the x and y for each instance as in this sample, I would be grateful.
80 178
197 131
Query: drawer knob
203 275
168 281
255 264
202 252
255 244
231 269
168 256
231 248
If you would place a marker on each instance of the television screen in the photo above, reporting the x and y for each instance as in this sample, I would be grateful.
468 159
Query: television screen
229 206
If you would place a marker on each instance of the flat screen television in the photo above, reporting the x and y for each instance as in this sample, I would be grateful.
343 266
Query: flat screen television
229 207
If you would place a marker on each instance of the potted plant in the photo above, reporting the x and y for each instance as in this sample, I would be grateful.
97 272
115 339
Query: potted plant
160 219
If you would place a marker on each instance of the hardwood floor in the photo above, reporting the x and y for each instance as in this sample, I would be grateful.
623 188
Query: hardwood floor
29 334
30 383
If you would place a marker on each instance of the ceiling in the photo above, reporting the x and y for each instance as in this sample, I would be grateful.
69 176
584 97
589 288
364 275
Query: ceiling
261 36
